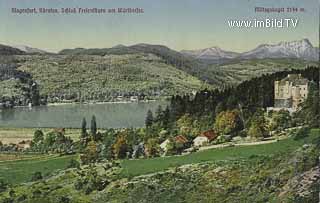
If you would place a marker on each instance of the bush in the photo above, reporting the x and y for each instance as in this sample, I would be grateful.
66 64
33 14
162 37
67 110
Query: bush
64 199
3 186
73 164
22 198
36 176
302 133
78 185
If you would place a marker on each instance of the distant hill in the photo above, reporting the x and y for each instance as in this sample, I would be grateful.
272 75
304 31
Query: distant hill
107 77
7 50
211 55
29 50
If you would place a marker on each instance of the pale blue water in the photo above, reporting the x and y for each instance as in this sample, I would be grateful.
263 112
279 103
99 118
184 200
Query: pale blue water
109 115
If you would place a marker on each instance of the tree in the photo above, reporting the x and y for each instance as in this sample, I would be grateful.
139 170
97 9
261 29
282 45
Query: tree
280 120
258 125
93 126
84 128
120 148
90 154
108 141
159 114
228 122
185 125
152 147
219 108
149 119
310 111
38 136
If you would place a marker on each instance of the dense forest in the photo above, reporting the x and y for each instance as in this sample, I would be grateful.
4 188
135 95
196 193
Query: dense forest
17 88
248 98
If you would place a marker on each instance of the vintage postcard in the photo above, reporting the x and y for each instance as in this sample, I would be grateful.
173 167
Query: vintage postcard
159 101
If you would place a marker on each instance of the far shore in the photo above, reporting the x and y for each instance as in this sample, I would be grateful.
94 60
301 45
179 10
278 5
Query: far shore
105 102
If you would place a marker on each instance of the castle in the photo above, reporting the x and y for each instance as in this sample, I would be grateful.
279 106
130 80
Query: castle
290 92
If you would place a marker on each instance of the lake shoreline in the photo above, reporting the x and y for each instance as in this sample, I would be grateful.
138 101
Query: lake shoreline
92 103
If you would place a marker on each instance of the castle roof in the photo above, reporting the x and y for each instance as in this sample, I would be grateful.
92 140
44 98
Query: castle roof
295 79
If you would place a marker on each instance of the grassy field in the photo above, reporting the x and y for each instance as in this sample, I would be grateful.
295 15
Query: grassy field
16 135
21 170
18 156
18 171
145 166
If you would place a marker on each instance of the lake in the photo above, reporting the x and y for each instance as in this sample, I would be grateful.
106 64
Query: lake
108 115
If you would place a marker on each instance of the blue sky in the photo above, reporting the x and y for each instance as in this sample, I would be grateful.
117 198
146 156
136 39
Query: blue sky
178 24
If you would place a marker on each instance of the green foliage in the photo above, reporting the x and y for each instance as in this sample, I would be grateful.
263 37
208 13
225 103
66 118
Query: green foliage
36 176
93 126
90 154
73 164
152 147
310 111
3 185
228 122
120 147
258 126
38 137
83 128
104 78
302 133
108 141
280 120
149 119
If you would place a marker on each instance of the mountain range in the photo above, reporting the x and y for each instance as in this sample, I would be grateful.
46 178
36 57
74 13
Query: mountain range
300 49
153 70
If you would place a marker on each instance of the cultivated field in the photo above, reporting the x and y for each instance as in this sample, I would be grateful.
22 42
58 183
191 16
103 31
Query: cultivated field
16 135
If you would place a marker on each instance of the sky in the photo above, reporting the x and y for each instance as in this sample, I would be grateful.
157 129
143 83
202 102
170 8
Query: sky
178 24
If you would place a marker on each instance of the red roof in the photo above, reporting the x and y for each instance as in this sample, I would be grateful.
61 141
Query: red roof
210 134
181 139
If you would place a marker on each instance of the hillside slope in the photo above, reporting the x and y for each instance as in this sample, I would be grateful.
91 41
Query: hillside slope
106 77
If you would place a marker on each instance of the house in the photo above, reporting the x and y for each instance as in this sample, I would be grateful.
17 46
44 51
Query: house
23 145
164 145
180 139
290 92
205 138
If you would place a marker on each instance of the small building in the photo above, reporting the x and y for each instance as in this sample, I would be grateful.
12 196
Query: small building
180 139
205 138
23 145
164 145
290 92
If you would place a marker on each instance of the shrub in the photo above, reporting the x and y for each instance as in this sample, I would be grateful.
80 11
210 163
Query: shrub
3 186
73 164
36 176
302 133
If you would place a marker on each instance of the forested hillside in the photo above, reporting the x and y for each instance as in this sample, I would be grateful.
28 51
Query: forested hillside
16 87
105 78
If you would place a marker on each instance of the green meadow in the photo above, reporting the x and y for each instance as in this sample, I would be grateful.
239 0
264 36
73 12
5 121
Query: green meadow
19 171
145 166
